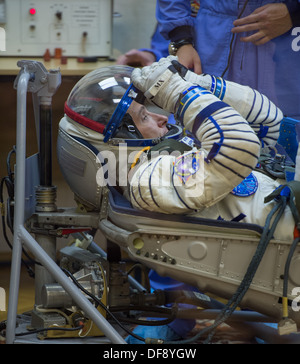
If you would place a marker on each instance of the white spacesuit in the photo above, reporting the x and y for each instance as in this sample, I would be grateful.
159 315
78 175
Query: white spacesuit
216 180
229 145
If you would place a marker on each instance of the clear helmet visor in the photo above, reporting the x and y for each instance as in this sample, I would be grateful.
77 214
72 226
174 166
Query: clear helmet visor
100 101
95 97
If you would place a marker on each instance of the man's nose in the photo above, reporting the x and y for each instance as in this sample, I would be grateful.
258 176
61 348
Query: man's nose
162 120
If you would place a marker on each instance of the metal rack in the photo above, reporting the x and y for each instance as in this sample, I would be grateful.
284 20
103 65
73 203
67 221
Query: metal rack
34 78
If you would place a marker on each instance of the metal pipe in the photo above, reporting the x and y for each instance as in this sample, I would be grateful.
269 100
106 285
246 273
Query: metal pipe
45 144
42 275
19 205
239 316
69 286
45 192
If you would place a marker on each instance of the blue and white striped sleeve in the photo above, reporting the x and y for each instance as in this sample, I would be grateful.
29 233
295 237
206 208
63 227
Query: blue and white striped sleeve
199 178
262 114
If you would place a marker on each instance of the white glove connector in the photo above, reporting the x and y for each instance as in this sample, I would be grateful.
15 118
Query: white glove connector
160 84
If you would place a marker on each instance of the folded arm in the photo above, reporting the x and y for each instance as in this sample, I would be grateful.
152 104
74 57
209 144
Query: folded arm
200 178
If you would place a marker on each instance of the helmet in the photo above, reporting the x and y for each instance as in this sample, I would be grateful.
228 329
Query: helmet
97 139
100 100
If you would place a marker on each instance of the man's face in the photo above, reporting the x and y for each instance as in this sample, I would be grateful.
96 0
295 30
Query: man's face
149 124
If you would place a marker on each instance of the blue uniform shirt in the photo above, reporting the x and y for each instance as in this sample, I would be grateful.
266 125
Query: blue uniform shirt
272 69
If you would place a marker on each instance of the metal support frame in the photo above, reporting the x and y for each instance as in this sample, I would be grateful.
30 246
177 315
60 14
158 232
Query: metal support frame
33 77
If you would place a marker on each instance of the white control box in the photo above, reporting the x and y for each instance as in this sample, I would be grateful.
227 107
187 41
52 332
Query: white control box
76 28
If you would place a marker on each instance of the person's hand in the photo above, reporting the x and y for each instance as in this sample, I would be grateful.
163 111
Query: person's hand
160 83
136 58
267 22
189 57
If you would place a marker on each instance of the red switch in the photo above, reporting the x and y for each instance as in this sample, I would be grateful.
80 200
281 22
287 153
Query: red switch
32 11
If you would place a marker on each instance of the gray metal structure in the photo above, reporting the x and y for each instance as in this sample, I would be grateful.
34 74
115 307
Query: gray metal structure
33 77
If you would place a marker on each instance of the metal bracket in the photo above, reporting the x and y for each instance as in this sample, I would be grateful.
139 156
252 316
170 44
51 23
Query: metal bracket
104 204
41 82
60 232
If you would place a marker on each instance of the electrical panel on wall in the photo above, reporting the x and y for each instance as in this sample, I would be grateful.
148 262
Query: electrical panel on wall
76 28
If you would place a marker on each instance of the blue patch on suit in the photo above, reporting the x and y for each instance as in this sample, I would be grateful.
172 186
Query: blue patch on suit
247 187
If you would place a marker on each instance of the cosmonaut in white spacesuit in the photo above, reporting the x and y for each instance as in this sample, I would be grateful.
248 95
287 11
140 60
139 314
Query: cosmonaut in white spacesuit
216 180
211 172
231 131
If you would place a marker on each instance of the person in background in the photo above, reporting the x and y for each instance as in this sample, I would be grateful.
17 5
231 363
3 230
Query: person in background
251 42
